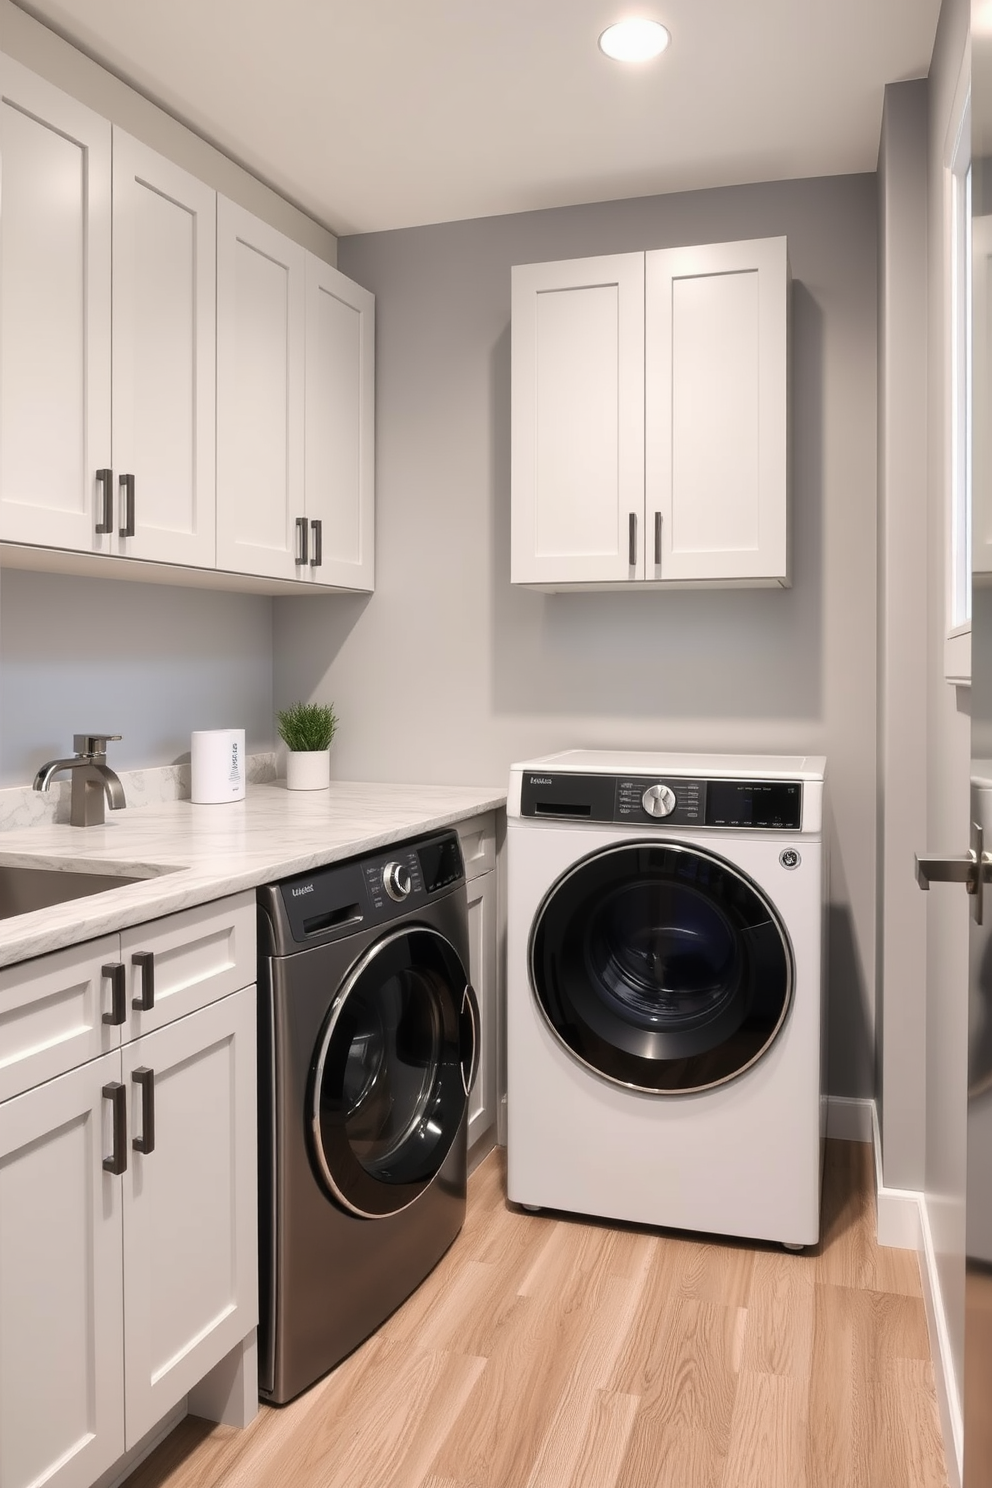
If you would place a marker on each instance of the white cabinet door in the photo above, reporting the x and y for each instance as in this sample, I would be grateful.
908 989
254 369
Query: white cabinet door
164 405
184 961
190 1251
55 243
261 310
58 1011
577 469
716 337
61 1313
340 429
482 1104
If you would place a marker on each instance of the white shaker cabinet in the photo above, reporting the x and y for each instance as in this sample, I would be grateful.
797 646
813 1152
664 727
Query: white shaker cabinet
261 310
164 237
55 343
128 1265
649 419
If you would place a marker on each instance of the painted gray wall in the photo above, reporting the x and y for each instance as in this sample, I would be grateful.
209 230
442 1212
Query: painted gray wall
902 629
948 769
448 673
147 661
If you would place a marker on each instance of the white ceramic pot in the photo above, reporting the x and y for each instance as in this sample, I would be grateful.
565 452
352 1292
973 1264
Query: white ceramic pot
308 769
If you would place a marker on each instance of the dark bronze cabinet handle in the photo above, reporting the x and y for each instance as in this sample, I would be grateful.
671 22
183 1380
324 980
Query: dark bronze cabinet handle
115 1092
301 541
657 538
144 1078
105 479
118 993
145 962
632 540
317 527
127 486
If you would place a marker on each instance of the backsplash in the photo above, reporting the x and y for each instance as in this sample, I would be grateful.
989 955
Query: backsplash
22 806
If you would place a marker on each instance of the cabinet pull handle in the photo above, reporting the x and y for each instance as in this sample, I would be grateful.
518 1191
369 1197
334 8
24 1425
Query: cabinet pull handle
470 1016
127 486
115 1092
105 478
318 543
118 993
657 538
632 540
144 1078
301 541
145 961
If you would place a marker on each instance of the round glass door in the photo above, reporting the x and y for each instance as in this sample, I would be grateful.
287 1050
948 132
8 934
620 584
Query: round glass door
661 967
389 1086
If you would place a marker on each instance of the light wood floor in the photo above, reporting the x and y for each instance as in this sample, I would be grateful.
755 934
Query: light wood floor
546 1352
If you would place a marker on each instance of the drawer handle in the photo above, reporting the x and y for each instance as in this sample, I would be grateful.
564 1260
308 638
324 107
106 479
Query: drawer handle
116 1163
145 962
317 528
127 486
105 478
301 541
115 970
657 539
632 540
144 1078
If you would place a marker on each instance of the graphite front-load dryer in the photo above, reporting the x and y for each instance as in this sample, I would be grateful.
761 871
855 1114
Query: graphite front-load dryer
665 990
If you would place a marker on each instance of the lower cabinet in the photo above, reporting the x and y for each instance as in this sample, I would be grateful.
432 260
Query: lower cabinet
128 1265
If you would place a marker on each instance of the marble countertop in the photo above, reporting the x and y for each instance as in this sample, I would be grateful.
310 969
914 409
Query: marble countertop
193 854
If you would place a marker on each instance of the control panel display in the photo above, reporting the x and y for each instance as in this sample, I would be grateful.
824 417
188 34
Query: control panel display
670 802
754 803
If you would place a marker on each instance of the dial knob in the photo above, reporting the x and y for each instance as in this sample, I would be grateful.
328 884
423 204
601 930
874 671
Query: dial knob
658 800
396 881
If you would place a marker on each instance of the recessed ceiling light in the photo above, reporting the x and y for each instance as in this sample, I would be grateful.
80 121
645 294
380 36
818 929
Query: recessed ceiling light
634 41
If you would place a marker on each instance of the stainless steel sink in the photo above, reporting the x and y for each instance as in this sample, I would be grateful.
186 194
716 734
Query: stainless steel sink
24 889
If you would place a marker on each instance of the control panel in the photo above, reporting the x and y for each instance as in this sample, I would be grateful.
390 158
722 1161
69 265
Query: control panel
757 805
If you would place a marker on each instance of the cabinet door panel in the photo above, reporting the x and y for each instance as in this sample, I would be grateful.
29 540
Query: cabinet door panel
190 1263
482 959
54 314
340 432
200 955
716 461
61 1316
164 406
578 420
51 1014
261 294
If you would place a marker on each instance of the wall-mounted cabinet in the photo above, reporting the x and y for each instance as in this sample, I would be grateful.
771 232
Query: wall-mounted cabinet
649 419
156 341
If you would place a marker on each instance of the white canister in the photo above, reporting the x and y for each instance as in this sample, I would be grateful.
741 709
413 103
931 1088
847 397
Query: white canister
217 760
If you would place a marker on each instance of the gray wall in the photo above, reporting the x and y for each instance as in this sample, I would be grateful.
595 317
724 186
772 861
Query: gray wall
448 673
147 661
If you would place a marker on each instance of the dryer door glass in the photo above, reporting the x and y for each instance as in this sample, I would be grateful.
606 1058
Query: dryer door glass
388 1094
661 967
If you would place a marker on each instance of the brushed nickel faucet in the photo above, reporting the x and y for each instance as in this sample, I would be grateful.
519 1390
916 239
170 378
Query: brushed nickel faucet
93 781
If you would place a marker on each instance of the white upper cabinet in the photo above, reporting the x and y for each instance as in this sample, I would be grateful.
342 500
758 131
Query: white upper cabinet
55 241
340 428
164 234
261 311
716 450
649 418
577 419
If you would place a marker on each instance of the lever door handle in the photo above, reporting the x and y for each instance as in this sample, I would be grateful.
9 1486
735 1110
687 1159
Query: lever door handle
974 870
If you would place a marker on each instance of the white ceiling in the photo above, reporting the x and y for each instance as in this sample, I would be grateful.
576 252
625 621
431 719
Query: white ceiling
373 114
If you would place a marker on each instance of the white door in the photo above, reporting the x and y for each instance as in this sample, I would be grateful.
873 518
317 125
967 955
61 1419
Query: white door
577 464
54 317
716 465
482 1101
164 406
61 1314
261 309
190 1249
340 428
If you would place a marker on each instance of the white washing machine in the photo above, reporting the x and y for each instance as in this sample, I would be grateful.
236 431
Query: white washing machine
665 991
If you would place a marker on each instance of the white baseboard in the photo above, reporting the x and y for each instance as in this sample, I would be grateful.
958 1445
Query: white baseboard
849 1120
948 1394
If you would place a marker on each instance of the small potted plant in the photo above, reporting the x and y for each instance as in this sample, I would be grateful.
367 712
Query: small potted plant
307 729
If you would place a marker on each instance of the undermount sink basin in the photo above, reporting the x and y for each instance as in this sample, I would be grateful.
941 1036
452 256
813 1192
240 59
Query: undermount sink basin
24 889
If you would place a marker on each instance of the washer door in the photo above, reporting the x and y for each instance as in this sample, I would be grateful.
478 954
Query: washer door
394 1065
661 967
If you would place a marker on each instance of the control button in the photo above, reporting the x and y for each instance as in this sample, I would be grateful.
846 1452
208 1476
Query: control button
396 881
658 800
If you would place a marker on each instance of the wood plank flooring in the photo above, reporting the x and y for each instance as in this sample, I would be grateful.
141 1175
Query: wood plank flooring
545 1351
